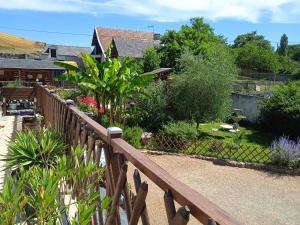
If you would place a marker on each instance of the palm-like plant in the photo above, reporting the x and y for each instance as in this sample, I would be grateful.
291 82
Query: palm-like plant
111 82
34 148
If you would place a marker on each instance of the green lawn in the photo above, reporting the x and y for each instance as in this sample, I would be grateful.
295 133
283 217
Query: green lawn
249 136
254 145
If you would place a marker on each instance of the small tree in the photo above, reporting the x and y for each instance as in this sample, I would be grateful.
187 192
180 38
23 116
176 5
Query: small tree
151 60
283 47
202 91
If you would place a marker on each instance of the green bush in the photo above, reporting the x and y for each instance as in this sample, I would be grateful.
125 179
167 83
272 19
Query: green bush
281 112
180 129
133 136
14 84
152 107
69 93
34 148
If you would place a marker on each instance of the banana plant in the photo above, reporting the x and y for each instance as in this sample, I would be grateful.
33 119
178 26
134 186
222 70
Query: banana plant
111 82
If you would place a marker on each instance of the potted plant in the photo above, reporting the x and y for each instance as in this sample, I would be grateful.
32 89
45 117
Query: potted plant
32 122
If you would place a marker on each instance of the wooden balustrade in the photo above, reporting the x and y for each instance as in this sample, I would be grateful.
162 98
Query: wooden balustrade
79 129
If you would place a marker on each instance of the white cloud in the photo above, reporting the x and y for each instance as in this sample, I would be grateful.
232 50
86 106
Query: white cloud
282 11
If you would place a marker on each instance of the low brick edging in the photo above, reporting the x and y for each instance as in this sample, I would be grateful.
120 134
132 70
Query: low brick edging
227 162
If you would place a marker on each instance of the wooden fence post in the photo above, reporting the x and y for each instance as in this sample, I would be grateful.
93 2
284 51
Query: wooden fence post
112 166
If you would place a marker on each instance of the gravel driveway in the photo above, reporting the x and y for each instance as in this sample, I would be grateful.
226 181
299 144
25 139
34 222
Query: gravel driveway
251 196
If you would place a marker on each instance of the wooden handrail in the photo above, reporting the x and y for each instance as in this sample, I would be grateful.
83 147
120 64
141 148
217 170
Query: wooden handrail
201 208
114 148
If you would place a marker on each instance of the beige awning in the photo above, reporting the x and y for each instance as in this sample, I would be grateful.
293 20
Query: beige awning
11 44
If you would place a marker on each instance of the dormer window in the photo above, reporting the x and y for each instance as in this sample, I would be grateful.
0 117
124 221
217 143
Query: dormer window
52 53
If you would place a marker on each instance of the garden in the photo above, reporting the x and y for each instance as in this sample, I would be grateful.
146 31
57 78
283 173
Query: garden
188 111
187 115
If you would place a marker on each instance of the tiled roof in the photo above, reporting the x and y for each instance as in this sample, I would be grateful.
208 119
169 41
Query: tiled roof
6 63
106 35
132 47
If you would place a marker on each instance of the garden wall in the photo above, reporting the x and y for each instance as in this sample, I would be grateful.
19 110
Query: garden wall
248 104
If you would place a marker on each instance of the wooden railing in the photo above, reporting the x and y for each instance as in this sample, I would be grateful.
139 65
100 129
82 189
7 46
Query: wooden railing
79 129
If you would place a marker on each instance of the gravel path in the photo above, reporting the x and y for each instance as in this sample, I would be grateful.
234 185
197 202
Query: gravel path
252 197
7 129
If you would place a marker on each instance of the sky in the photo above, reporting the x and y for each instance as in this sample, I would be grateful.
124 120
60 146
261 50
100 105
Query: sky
49 20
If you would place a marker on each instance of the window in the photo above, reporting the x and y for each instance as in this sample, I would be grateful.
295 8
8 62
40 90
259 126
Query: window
1 72
53 53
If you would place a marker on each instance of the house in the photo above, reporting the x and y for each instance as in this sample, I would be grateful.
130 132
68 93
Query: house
123 42
28 70
30 60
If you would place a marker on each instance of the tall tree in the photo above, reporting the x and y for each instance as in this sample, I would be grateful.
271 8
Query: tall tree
198 38
294 52
283 47
255 53
252 38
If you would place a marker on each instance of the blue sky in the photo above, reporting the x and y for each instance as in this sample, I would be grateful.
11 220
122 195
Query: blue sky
229 18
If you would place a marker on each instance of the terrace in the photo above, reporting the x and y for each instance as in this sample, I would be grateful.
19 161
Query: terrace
77 129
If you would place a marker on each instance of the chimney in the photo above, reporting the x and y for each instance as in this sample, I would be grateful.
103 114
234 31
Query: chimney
156 37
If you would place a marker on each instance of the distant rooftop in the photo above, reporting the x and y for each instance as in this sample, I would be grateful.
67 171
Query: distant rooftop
6 63
106 35
132 47
69 50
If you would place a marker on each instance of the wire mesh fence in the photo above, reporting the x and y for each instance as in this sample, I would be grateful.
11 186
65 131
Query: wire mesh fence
211 148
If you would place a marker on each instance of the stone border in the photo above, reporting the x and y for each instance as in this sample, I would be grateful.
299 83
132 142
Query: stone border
227 162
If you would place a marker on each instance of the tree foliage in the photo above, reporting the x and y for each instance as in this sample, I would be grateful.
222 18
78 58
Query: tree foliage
252 38
198 38
151 60
283 46
201 92
294 52
253 57
281 112
254 52
153 106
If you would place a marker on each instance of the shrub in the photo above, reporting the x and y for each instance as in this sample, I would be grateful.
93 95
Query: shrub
152 107
133 136
286 152
151 59
281 112
69 93
180 129
14 84
34 148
